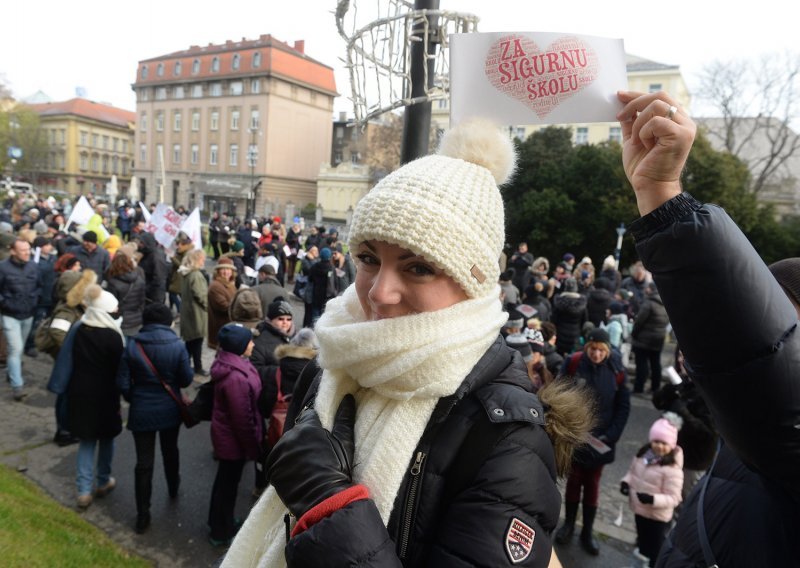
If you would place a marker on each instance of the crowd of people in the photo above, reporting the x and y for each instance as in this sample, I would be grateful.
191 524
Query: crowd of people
433 396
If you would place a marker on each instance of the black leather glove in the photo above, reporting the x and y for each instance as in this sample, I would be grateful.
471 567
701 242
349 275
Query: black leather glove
645 498
624 488
310 464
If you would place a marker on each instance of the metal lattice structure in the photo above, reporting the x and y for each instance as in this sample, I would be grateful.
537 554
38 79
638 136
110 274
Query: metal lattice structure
378 52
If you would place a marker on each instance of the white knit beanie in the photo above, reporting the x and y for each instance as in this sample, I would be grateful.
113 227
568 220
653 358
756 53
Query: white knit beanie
98 298
446 207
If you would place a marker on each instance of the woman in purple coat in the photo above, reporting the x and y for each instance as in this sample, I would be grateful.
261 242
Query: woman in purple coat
236 431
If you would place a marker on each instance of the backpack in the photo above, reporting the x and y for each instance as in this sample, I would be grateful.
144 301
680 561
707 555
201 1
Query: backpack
43 337
575 360
277 417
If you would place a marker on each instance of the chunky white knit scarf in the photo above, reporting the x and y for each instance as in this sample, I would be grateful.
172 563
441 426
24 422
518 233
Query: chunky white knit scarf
95 317
397 368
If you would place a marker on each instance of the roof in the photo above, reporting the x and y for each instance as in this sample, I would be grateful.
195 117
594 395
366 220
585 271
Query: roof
277 58
634 64
87 109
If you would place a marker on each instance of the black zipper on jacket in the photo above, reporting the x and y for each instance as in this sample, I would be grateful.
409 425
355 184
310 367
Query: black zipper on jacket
411 503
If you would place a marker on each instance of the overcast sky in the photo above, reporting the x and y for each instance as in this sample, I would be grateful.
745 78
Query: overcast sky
56 46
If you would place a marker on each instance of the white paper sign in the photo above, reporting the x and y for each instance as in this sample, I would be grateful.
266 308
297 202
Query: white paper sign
191 226
164 223
536 77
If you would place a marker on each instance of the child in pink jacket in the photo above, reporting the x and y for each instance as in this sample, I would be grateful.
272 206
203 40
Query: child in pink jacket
653 484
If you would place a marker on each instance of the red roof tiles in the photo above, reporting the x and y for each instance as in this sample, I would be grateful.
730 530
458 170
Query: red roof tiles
86 109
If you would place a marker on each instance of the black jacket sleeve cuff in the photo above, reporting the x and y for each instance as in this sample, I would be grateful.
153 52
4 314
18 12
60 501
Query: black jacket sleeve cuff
665 215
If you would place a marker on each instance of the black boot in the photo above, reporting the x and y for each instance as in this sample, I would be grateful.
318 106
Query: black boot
588 541
143 488
564 534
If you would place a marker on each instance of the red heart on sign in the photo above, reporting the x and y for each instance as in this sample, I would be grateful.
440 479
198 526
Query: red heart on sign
540 79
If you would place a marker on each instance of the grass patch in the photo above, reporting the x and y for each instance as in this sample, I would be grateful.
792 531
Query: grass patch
35 530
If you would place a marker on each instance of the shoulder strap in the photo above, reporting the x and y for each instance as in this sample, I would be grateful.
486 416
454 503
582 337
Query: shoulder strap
475 449
149 363
702 533
574 361
281 397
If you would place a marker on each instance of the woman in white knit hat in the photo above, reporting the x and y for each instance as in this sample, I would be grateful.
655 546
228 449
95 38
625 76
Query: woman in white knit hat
425 443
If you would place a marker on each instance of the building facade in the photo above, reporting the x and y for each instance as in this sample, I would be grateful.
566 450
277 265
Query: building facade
87 144
240 127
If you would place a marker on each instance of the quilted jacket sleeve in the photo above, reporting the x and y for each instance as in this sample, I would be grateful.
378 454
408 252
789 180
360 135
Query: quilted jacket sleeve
736 327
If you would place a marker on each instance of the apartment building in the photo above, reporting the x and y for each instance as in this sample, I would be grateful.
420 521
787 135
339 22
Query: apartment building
239 127
87 144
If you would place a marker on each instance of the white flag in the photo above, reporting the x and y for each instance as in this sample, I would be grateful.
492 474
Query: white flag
81 213
191 226
145 212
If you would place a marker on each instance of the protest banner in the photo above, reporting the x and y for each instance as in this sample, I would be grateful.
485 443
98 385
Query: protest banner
164 224
530 78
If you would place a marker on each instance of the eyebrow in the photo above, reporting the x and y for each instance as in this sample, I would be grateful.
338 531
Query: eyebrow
403 257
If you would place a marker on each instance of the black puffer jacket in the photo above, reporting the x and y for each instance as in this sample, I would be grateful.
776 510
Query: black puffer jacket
515 487
569 315
129 290
742 349
263 357
155 266
650 325
598 300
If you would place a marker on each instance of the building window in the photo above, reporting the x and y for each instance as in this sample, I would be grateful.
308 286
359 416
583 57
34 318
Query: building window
124 146
84 137
236 88
255 86
195 121
234 120
142 122
177 69
84 161
654 87
105 164
235 62
161 93
615 134
212 155
519 133
160 121
254 122
257 59
160 70
176 121
197 91
215 89
160 153
124 167
115 143
195 153
214 120
176 153
581 135
143 93
96 139
441 103
234 159
177 92
105 142
355 158
195 67
215 65
337 157
339 132
95 163
142 154
114 165
144 71
294 91
252 155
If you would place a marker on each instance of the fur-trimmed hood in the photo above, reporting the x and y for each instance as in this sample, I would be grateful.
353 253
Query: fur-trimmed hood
570 302
75 292
296 351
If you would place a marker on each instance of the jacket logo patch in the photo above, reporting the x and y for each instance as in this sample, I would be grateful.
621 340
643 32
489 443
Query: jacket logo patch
519 541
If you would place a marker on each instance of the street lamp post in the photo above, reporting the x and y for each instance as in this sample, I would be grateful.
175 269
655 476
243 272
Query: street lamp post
618 250
252 158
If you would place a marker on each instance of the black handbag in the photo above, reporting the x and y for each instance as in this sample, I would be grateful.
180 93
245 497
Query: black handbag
203 404
186 417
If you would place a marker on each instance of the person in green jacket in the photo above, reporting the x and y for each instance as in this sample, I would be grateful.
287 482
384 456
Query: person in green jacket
194 306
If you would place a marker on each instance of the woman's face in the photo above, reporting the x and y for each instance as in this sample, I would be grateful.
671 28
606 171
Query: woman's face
597 352
392 281
225 273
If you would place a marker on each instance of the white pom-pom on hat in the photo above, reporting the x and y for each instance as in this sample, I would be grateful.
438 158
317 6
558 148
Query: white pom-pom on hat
479 141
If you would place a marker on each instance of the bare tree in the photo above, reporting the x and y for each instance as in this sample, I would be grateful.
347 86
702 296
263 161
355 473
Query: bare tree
385 142
757 101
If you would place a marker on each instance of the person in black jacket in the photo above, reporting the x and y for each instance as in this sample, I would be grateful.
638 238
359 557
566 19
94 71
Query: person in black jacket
600 370
647 339
20 285
320 276
569 315
126 281
422 442
741 345
155 265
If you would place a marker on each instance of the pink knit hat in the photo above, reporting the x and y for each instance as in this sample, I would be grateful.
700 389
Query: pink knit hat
664 431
